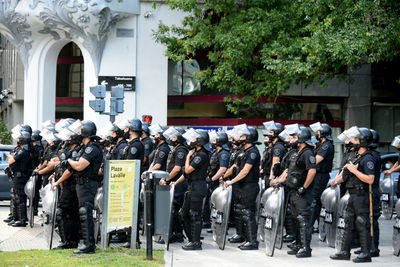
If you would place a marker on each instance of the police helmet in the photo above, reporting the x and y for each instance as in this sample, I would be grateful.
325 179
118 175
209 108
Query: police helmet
135 125
365 137
88 129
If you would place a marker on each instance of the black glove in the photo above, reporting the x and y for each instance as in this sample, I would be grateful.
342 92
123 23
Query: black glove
301 191
208 180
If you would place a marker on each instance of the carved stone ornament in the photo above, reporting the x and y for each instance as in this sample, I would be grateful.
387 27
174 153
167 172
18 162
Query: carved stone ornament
86 22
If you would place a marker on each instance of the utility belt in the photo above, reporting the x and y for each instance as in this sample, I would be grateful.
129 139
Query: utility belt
83 180
358 190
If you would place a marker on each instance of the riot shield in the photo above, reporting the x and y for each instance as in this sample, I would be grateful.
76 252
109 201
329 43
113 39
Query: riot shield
340 226
49 206
396 231
262 212
279 235
220 213
321 223
331 209
387 197
273 210
171 218
30 193
213 210
260 193
97 213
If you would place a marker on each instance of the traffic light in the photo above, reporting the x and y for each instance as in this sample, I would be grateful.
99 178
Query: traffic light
147 118
116 101
99 92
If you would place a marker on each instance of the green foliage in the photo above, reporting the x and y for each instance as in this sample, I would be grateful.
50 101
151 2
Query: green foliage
260 48
110 257
5 135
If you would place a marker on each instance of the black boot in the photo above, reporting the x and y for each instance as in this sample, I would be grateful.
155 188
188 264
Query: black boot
61 230
87 233
342 255
364 237
21 211
239 236
304 232
251 229
195 223
8 219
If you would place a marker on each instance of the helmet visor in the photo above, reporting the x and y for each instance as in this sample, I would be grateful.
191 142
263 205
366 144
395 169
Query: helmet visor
64 135
242 130
292 128
270 126
396 141
171 132
315 127
155 129
75 127
191 135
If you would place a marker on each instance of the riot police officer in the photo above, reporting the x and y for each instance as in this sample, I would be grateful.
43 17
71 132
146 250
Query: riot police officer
37 152
120 142
161 150
248 182
134 151
278 150
234 162
148 145
87 168
175 165
196 165
358 175
67 213
219 161
20 164
300 176
324 160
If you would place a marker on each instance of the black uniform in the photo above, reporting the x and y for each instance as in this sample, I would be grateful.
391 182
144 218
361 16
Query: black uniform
357 210
118 150
49 153
67 214
325 150
134 150
218 159
266 164
249 190
177 157
148 148
87 182
161 156
300 163
21 169
37 154
376 195
193 199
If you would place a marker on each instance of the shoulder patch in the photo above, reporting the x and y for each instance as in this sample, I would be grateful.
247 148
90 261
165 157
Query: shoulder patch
133 150
312 159
253 155
147 146
74 154
224 156
277 152
180 155
88 150
197 160
370 165
161 154
325 146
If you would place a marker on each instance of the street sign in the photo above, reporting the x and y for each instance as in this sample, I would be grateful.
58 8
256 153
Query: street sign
128 82
121 198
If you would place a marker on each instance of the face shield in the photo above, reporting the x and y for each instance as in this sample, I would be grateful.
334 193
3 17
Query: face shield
396 141
122 124
155 129
352 133
190 136
315 127
47 124
64 135
75 127
63 123
170 133
284 136
212 135
242 130
270 126
292 129
49 137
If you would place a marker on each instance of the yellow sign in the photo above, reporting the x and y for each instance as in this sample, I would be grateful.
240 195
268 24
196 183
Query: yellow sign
121 193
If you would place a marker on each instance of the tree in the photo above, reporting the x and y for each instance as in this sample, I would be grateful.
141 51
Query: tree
5 135
260 48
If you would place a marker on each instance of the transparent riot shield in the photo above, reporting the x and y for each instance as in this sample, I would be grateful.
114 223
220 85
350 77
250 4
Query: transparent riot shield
49 206
387 196
30 193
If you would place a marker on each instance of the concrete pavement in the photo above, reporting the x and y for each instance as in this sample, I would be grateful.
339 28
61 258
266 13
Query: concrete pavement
12 239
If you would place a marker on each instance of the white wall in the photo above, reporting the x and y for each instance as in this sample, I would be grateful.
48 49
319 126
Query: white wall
152 64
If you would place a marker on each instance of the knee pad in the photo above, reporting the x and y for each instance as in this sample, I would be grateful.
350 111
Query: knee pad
83 213
361 221
59 213
194 214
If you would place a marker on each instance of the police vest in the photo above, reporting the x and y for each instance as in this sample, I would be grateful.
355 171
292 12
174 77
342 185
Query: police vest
296 174
352 182
91 172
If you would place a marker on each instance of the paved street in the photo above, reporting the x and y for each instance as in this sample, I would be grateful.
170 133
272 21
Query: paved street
27 238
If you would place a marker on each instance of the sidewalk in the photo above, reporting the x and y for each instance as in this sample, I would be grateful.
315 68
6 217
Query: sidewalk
12 239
